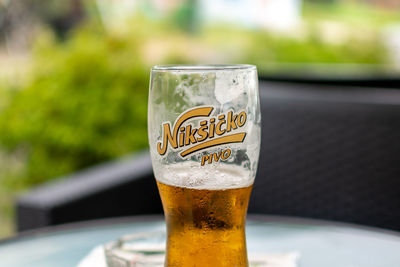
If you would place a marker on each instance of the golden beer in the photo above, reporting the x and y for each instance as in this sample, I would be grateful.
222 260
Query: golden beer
205 227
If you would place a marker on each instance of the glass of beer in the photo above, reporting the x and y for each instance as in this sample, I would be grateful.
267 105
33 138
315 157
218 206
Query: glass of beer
204 133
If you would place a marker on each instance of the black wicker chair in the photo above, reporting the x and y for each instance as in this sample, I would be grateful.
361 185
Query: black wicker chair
330 153
327 152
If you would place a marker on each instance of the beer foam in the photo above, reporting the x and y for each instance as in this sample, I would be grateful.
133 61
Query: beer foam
215 177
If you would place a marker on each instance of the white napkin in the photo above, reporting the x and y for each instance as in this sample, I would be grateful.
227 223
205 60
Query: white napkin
96 258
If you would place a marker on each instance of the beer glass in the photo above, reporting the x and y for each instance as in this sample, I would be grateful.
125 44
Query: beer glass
204 133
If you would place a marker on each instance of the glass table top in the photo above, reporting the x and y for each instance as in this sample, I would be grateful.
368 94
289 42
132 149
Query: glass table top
319 243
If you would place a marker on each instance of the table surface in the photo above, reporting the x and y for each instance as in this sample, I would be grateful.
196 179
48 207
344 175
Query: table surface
319 243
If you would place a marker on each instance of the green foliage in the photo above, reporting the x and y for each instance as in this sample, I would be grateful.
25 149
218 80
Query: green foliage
6 212
356 13
86 102
262 47
315 50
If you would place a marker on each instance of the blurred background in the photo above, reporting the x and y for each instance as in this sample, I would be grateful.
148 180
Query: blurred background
74 74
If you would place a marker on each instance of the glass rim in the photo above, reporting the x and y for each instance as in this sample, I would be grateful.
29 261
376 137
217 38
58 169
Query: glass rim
202 67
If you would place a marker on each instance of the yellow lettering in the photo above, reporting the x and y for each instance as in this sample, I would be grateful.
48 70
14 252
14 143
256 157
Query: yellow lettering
167 136
203 159
162 147
231 124
203 132
189 137
212 127
226 153
241 119
219 124
217 156
182 135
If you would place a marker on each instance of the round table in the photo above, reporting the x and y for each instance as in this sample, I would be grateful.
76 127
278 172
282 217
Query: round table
320 243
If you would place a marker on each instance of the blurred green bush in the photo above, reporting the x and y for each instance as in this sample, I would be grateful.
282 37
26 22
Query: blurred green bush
84 102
